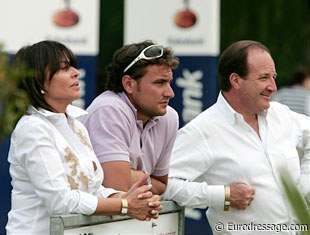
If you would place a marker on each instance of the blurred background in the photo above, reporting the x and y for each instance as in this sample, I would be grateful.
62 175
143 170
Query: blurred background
282 25
94 29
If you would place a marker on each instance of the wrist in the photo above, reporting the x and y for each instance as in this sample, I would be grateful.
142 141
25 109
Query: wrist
227 198
124 209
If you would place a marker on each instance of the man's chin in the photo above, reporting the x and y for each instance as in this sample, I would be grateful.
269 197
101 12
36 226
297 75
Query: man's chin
162 112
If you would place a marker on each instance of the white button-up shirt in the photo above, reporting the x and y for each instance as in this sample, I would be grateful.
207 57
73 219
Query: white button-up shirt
218 148
54 170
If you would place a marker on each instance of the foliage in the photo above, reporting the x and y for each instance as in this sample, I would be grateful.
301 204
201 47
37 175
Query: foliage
269 22
14 101
298 202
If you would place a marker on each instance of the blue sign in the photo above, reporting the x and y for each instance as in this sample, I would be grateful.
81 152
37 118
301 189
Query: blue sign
194 85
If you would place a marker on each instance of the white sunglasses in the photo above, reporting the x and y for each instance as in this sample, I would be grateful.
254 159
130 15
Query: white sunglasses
148 53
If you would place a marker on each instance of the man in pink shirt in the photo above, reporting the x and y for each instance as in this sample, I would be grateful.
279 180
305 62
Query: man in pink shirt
131 125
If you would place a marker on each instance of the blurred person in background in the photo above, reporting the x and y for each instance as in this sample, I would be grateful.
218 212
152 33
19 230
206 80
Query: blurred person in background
297 94
53 166
231 156
131 125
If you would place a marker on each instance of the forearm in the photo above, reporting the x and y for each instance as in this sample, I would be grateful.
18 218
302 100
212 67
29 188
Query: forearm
195 194
158 187
159 183
108 206
117 175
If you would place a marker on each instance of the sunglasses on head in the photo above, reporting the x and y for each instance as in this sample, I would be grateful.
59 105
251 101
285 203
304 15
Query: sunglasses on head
148 53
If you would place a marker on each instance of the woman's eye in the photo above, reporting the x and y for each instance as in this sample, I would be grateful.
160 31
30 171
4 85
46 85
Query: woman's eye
65 67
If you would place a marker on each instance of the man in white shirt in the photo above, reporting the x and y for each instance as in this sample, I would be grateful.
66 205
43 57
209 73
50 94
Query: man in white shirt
229 158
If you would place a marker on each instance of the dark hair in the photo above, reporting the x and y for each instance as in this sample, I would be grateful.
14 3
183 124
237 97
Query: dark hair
300 75
39 62
125 55
234 60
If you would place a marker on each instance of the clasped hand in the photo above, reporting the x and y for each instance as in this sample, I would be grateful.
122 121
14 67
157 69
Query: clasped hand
241 195
142 204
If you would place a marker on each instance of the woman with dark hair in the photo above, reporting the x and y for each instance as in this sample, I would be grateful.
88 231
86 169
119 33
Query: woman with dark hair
53 166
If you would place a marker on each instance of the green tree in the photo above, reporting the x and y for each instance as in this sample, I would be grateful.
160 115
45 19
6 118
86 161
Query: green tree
14 101
282 25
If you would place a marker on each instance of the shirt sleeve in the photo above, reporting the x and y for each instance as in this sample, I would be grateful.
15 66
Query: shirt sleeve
110 135
106 192
33 151
303 123
189 161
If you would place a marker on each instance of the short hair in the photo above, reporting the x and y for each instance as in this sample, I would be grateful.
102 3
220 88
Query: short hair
234 60
300 75
125 55
39 62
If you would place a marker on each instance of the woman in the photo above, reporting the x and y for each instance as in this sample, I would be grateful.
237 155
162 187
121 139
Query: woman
52 164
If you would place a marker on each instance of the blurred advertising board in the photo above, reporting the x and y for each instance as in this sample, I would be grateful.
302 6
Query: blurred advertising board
74 23
192 29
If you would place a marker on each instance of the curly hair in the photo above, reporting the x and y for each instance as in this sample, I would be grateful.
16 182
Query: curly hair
125 55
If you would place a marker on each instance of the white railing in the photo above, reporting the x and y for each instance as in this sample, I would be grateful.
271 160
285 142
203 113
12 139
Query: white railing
170 222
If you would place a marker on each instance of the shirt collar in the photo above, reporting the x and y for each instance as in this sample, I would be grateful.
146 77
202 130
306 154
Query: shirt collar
231 115
71 111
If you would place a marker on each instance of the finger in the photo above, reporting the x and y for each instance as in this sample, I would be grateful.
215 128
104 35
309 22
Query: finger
154 214
155 198
144 188
154 204
140 185
145 195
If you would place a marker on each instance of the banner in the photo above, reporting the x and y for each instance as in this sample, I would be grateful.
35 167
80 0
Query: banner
74 23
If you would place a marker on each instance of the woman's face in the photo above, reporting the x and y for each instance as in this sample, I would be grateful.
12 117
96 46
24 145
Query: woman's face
63 88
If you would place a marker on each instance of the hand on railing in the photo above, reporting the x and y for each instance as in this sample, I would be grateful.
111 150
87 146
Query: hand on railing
142 204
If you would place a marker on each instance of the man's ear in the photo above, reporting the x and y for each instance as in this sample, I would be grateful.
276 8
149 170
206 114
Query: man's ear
234 80
128 83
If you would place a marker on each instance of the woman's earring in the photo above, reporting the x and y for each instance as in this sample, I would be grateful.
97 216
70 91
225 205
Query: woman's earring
42 92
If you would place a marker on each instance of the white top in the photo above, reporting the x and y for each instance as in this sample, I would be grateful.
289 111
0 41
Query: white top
54 170
218 148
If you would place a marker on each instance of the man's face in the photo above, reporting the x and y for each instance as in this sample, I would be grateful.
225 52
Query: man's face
151 94
258 86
